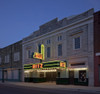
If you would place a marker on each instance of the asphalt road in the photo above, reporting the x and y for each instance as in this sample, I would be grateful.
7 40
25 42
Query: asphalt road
12 89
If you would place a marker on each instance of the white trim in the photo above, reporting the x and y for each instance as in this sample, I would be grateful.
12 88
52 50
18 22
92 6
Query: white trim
98 54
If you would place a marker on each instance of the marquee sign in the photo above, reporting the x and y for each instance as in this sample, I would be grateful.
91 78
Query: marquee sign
63 64
36 66
50 64
37 55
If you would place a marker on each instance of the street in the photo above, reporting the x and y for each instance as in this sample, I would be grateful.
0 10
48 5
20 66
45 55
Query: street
12 89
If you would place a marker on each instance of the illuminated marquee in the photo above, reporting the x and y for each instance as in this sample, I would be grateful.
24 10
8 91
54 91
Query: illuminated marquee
35 66
49 64
42 51
62 64
40 55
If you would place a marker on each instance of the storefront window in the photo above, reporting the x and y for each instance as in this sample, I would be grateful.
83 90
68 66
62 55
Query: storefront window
82 76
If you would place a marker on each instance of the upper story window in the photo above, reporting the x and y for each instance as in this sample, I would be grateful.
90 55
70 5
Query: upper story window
60 50
29 54
48 41
17 56
0 60
59 38
39 48
48 52
7 59
77 42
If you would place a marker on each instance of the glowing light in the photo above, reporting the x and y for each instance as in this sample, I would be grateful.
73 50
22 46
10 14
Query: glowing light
77 68
62 64
47 70
34 66
27 71
37 55
42 51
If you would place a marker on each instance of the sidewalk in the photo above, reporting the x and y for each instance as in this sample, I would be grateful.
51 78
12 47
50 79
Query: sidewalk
54 86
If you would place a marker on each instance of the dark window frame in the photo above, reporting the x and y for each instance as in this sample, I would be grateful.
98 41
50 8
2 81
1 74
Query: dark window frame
77 42
48 52
59 49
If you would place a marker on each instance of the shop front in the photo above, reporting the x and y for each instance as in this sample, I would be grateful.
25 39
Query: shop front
44 72
78 76
56 71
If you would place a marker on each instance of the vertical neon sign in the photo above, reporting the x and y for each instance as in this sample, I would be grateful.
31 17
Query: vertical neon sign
43 51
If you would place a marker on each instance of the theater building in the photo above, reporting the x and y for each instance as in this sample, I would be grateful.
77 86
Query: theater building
67 56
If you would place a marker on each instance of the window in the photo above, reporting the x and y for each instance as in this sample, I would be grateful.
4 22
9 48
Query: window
48 41
82 76
48 51
60 50
16 56
77 43
39 48
0 60
7 59
59 38
28 54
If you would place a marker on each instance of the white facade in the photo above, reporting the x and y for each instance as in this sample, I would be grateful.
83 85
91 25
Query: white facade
82 28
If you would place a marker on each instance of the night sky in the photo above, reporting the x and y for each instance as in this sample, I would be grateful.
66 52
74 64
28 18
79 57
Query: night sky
19 18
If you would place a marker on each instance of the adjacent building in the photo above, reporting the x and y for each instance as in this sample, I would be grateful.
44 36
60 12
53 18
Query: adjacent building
69 41
97 48
11 62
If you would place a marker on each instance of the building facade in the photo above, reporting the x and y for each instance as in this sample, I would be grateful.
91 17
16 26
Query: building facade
69 40
11 62
65 51
97 48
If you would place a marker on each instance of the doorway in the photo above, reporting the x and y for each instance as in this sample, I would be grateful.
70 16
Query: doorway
71 77
51 76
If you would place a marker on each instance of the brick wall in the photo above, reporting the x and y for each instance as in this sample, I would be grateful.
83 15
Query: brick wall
96 47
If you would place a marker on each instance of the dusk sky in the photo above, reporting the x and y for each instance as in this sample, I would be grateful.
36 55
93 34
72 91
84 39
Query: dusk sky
19 18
